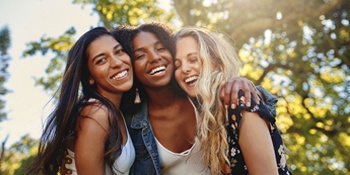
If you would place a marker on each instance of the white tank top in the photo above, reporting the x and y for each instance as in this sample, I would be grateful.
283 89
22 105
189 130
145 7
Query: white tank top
188 162
121 166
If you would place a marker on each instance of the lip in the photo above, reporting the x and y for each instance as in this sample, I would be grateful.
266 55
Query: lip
190 80
157 69
120 74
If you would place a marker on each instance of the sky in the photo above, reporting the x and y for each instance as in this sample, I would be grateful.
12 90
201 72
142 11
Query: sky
28 20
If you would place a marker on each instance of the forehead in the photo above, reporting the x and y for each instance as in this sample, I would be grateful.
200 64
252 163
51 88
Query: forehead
145 38
104 42
186 46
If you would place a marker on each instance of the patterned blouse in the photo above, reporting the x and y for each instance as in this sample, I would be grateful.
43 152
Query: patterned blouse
236 159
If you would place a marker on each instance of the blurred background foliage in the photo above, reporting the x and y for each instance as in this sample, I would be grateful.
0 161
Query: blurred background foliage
298 50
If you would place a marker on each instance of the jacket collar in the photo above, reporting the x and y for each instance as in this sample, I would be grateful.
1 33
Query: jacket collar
140 119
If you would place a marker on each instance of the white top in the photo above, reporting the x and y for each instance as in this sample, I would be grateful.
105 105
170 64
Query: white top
121 166
188 162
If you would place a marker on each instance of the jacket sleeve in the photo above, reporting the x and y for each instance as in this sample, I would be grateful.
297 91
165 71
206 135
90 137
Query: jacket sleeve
270 100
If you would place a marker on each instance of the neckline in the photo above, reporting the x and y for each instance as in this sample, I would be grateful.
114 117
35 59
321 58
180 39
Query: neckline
183 153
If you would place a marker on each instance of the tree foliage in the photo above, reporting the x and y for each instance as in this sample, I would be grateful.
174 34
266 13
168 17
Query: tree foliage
124 12
19 156
298 50
5 43
58 47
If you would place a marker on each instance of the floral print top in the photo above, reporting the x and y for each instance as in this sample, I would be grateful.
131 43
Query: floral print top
235 156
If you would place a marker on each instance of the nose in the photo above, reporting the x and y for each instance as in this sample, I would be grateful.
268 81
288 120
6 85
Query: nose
185 68
154 57
116 62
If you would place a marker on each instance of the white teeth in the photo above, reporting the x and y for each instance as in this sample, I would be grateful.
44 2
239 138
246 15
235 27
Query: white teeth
161 68
120 75
193 78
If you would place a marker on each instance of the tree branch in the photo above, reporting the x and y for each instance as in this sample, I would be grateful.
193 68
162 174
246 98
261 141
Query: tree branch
3 149
269 68
183 8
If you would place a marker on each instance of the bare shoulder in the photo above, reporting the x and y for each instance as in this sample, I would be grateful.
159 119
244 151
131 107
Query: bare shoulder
94 116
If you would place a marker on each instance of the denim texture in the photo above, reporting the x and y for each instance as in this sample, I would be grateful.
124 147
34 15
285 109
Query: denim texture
140 130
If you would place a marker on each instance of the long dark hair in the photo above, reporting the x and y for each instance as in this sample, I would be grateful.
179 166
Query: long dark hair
74 92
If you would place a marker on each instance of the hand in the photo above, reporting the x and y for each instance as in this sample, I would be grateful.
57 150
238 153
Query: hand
229 93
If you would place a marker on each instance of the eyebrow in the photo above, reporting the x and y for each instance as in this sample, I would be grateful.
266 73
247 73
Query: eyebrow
189 54
101 54
154 44
192 53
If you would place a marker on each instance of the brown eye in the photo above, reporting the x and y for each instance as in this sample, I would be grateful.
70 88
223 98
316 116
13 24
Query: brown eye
161 49
139 56
101 60
119 52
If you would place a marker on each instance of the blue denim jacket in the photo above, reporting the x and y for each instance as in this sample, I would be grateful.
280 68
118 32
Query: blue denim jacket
270 100
147 161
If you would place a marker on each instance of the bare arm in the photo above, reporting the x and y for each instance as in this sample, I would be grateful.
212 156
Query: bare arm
90 143
256 144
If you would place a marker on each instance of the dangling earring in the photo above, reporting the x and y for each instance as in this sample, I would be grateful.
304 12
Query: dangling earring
137 97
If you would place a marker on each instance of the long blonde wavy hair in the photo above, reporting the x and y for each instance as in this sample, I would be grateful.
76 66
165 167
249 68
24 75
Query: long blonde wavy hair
219 63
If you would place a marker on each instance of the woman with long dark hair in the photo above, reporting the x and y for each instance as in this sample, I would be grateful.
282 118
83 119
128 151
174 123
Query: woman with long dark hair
87 121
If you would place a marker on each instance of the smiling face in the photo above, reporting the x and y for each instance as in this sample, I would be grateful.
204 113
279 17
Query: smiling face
109 66
187 65
153 62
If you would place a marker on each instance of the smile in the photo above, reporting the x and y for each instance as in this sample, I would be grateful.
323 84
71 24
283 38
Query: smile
120 75
191 79
157 70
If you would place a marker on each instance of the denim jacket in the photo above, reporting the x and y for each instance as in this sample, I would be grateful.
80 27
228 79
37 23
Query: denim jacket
270 100
147 160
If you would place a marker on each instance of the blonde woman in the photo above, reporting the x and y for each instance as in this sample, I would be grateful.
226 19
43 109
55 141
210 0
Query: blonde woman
245 138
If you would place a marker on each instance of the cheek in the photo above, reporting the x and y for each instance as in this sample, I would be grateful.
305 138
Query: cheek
138 69
97 72
197 67
177 75
179 79
127 59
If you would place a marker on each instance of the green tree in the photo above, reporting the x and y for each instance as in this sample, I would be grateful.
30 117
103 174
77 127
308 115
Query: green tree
19 156
5 43
125 12
297 49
